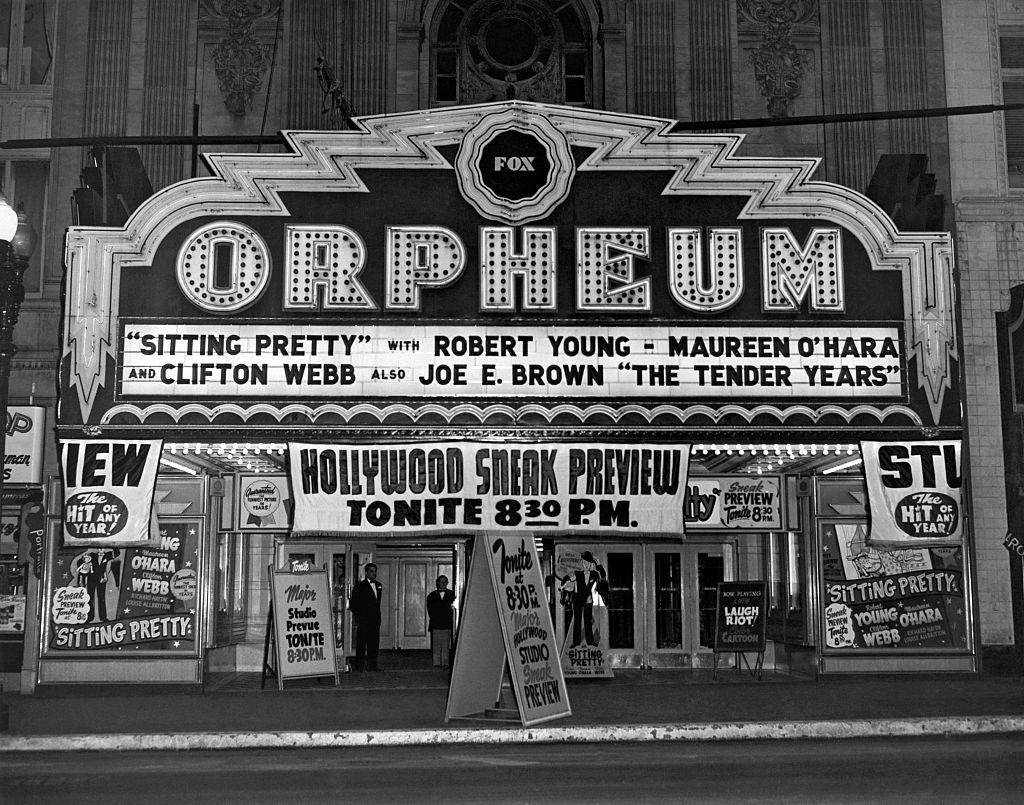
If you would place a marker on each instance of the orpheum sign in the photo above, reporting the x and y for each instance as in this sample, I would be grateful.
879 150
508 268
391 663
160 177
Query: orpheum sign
474 263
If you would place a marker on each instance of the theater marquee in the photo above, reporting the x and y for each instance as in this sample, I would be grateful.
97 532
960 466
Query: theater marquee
463 264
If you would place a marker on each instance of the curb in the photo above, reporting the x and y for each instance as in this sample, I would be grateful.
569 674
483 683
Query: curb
634 733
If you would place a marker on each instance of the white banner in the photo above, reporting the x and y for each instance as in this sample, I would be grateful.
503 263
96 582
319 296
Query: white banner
468 487
283 361
108 491
914 493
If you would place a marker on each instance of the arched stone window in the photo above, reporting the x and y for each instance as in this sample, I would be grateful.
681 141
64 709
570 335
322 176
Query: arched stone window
495 50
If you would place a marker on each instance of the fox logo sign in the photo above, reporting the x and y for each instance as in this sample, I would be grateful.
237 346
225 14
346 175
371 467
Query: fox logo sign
514 164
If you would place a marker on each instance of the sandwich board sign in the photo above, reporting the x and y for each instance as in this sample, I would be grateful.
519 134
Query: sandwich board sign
507 623
741 621
301 627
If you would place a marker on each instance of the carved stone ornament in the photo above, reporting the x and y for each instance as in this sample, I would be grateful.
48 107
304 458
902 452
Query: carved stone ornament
778 64
240 59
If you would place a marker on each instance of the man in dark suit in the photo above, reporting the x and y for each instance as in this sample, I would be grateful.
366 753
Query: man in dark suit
365 606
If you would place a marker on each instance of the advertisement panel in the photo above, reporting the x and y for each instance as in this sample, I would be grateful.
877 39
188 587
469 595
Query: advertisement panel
303 625
284 360
644 277
882 600
264 503
142 599
741 616
12 614
446 487
533 659
26 430
583 596
741 502
108 491
914 493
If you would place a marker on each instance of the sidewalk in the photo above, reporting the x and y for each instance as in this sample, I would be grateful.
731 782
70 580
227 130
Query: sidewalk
407 707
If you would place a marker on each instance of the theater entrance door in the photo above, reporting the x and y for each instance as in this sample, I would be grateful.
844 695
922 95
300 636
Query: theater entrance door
408 576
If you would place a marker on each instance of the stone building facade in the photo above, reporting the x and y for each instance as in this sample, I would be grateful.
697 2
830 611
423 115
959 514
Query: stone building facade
245 68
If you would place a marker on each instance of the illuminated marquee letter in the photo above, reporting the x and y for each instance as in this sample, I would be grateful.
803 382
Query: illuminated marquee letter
421 257
705 289
223 267
500 264
604 269
788 272
324 263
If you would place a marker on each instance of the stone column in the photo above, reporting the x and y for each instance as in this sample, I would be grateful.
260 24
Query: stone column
313 28
613 49
166 96
906 84
366 47
407 69
847 88
710 60
106 67
652 58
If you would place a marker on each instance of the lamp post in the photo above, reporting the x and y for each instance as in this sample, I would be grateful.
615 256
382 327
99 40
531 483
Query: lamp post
17 242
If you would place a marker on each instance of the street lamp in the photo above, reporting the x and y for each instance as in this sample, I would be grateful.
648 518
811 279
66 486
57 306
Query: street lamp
17 242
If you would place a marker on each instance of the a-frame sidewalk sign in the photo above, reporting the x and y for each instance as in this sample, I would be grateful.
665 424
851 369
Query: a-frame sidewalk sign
300 628
741 623
506 624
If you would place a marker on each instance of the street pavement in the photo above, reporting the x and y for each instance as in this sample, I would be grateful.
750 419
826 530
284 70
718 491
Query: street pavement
407 707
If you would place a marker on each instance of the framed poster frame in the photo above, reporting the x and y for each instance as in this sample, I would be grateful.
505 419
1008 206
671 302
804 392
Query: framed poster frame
199 611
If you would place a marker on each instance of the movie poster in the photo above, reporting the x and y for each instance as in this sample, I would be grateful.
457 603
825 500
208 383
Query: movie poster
582 594
127 599
881 599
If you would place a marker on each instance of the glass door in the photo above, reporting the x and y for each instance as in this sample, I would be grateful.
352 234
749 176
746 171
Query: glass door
683 591
668 638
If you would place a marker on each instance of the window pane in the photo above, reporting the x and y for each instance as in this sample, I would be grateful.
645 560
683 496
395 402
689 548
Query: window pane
446 62
576 64
449 25
1013 92
575 90
775 570
5 38
338 598
28 187
1011 51
710 572
796 589
446 89
37 48
668 600
222 624
620 600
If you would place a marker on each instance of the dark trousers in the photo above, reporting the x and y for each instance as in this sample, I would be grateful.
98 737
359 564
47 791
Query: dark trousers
583 616
367 644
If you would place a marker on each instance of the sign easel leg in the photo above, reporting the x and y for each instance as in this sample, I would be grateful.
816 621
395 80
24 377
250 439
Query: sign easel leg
268 650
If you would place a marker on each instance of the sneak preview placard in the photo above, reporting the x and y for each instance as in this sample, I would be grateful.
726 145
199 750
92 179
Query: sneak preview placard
482 486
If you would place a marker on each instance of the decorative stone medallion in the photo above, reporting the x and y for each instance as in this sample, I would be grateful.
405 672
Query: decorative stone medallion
514 166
